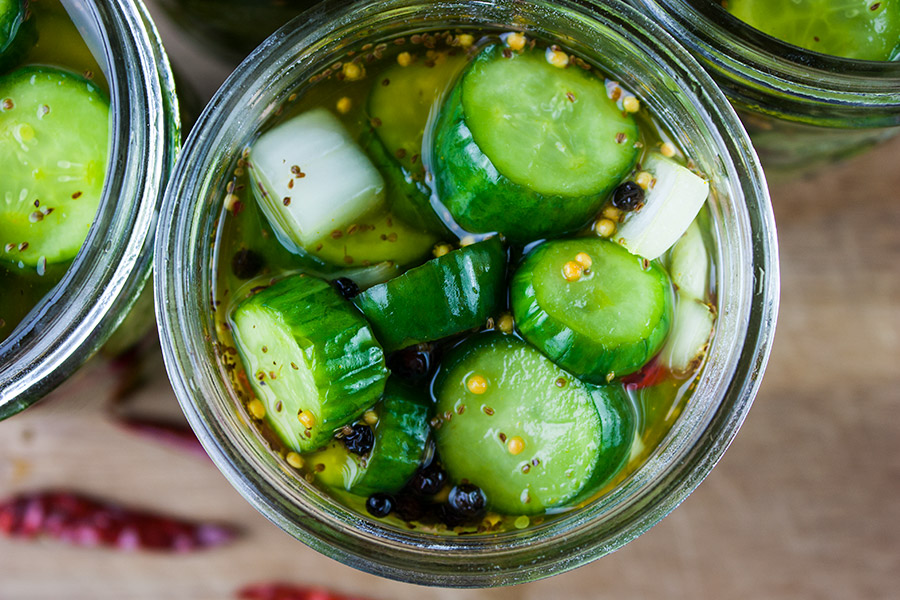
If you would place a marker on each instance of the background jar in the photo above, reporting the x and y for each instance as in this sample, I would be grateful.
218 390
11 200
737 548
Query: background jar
103 282
803 109
628 46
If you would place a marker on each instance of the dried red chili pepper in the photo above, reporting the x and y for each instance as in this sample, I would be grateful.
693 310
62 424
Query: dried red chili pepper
651 374
171 434
86 521
286 591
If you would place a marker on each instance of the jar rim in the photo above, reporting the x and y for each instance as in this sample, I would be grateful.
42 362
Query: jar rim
183 249
104 280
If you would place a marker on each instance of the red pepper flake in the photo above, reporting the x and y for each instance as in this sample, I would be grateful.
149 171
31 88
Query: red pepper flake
85 521
287 591
651 374
76 195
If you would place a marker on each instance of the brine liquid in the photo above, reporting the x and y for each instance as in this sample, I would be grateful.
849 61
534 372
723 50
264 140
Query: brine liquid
247 255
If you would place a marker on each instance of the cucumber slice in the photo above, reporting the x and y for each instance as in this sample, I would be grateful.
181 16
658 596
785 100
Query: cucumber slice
402 100
858 29
309 355
670 206
401 434
527 405
692 329
606 323
54 141
374 238
619 419
528 149
311 179
446 295
689 264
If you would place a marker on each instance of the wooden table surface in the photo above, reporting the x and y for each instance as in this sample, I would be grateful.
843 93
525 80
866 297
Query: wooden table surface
805 504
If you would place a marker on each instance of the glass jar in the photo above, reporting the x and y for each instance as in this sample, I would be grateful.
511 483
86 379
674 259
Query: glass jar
627 45
81 312
804 110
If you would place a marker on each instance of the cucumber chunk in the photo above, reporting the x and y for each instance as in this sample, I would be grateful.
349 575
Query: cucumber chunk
605 323
54 142
619 422
857 29
516 425
311 358
528 149
401 102
401 434
670 206
311 179
446 295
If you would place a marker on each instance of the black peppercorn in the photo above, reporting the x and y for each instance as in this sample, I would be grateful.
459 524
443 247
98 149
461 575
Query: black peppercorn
413 363
428 480
360 439
467 500
347 287
379 505
246 264
628 196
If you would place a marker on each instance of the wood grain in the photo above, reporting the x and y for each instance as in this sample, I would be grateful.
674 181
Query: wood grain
804 504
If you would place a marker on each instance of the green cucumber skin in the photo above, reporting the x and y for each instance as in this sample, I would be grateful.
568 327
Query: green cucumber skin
347 362
401 435
445 296
16 33
590 359
408 199
560 425
619 418
480 197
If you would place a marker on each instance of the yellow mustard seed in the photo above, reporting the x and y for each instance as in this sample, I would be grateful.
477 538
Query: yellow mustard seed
476 384
307 419
631 104
572 271
515 41
230 200
557 57
353 71
370 417
404 59
515 445
294 459
584 259
492 520
643 179
465 40
605 227
441 249
667 150
522 522
344 105
257 409
506 323
612 213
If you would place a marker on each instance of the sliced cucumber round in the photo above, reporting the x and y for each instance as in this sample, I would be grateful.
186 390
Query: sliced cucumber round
619 419
446 295
516 425
529 149
401 433
401 101
602 322
54 142
311 358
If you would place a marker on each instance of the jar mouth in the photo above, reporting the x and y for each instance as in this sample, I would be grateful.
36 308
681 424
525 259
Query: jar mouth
715 33
744 223
72 321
